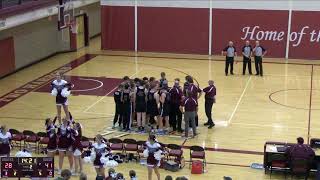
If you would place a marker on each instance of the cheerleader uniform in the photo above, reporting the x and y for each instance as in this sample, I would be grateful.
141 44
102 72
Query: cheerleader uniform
5 144
152 149
152 106
51 134
141 105
59 86
65 139
76 145
100 150
165 107
126 103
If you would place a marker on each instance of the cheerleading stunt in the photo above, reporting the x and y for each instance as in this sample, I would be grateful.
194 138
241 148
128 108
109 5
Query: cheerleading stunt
61 90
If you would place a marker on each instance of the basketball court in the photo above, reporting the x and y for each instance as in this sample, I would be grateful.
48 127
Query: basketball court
250 110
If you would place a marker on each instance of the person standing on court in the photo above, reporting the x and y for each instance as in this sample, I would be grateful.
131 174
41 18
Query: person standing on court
190 107
259 52
230 52
247 53
175 117
210 99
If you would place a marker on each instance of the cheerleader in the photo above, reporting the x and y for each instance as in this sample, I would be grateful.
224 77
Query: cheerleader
100 150
5 138
140 100
153 152
77 147
51 134
61 89
65 143
164 109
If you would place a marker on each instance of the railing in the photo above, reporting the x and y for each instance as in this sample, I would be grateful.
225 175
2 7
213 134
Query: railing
14 7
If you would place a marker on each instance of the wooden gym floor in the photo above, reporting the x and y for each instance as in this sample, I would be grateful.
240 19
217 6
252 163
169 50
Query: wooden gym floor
250 110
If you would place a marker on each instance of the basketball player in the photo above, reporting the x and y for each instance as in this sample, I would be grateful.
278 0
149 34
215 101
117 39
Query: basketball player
61 100
153 103
141 105
126 107
65 144
164 109
118 103
163 79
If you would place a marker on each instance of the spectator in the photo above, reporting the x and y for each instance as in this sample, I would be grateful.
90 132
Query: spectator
65 175
119 176
132 175
83 176
168 178
181 178
300 151
111 174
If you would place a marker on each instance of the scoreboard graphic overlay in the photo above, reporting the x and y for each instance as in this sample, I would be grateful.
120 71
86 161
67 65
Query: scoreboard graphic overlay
27 167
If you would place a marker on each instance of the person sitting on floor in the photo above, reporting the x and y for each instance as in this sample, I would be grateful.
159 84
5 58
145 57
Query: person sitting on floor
300 151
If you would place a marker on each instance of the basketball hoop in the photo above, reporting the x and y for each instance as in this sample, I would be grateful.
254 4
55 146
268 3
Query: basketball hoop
73 27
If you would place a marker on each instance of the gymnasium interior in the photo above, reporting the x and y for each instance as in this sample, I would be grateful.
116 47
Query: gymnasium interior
94 44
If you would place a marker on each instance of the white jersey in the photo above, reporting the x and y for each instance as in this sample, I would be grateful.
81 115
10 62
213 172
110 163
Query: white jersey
100 148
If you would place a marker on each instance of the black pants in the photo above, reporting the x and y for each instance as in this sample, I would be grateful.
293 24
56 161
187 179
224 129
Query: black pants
175 117
126 116
246 61
258 64
117 115
229 61
208 108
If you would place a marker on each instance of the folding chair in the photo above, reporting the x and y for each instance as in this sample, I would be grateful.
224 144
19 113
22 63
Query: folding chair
197 152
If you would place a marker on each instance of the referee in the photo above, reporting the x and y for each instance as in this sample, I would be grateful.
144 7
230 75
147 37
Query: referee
230 52
247 53
259 52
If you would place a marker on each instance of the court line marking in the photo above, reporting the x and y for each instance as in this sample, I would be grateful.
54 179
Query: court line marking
90 89
89 107
238 103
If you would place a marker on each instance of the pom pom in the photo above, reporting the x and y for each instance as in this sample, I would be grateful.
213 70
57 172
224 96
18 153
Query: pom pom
65 92
87 159
23 154
108 163
145 153
158 155
54 92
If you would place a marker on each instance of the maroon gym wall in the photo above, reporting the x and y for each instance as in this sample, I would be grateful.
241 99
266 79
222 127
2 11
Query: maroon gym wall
7 58
174 30
228 26
117 28
306 49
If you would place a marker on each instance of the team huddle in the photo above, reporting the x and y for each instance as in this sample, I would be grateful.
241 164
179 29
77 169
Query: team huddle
158 108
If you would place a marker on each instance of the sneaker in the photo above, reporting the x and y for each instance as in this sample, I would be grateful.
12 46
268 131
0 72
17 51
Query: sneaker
113 127
211 125
59 172
206 124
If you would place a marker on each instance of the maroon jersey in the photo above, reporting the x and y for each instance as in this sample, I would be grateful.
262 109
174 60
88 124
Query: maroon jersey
189 104
210 92
194 90
176 95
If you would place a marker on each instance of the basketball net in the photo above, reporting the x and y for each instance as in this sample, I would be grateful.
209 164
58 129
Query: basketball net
73 26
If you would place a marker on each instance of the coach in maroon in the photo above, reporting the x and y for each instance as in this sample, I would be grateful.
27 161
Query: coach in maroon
189 106
210 98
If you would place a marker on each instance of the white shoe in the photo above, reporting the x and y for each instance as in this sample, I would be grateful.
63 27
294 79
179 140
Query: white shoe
59 171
